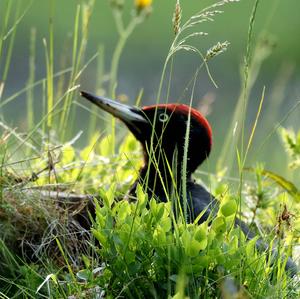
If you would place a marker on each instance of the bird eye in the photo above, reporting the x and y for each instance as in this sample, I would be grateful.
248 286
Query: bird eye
163 117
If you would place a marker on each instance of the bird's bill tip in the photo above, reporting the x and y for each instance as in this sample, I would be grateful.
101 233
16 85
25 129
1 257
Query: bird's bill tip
124 112
87 95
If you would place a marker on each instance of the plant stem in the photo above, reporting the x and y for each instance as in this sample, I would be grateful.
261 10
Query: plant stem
123 36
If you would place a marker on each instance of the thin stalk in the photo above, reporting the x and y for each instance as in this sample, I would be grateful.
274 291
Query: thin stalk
86 10
31 78
11 43
254 126
4 25
123 37
185 152
61 249
49 56
248 59
124 34
44 104
25 89
44 119
162 77
237 126
3 155
74 56
99 87
244 102
294 109
170 79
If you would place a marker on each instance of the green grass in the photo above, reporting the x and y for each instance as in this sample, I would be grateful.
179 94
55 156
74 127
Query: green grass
141 248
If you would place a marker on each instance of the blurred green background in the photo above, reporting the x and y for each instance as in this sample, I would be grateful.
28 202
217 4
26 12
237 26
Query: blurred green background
146 50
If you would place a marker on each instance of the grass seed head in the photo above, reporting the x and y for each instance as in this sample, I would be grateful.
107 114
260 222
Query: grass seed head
177 18
216 50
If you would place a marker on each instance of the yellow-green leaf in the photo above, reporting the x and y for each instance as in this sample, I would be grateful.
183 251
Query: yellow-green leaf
282 182
228 208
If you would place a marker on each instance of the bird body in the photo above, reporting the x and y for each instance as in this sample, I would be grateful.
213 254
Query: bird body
176 139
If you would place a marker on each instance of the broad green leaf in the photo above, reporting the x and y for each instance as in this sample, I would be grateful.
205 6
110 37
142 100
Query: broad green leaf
141 197
153 206
202 261
159 236
160 211
103 196
129 257
84 275
194 247
219 224
228 208
111 194
166 224
186 239
100 237
123 210
200 234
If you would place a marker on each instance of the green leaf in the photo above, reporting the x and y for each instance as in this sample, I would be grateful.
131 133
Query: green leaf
186 239
159 236
228 208
86 261
106 146
52 277
219 225
280 181
160 211
108 196
251 246
84 275
142 197
166 224
123 210
202 261
103 196
111 194
68 154
129 257
200 234
195 247
100 237
153 206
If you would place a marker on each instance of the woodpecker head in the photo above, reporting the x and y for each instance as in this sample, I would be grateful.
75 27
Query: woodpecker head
166 126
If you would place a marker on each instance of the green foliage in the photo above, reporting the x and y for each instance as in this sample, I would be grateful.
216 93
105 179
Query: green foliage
145 249
95 163
275 200
279 180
